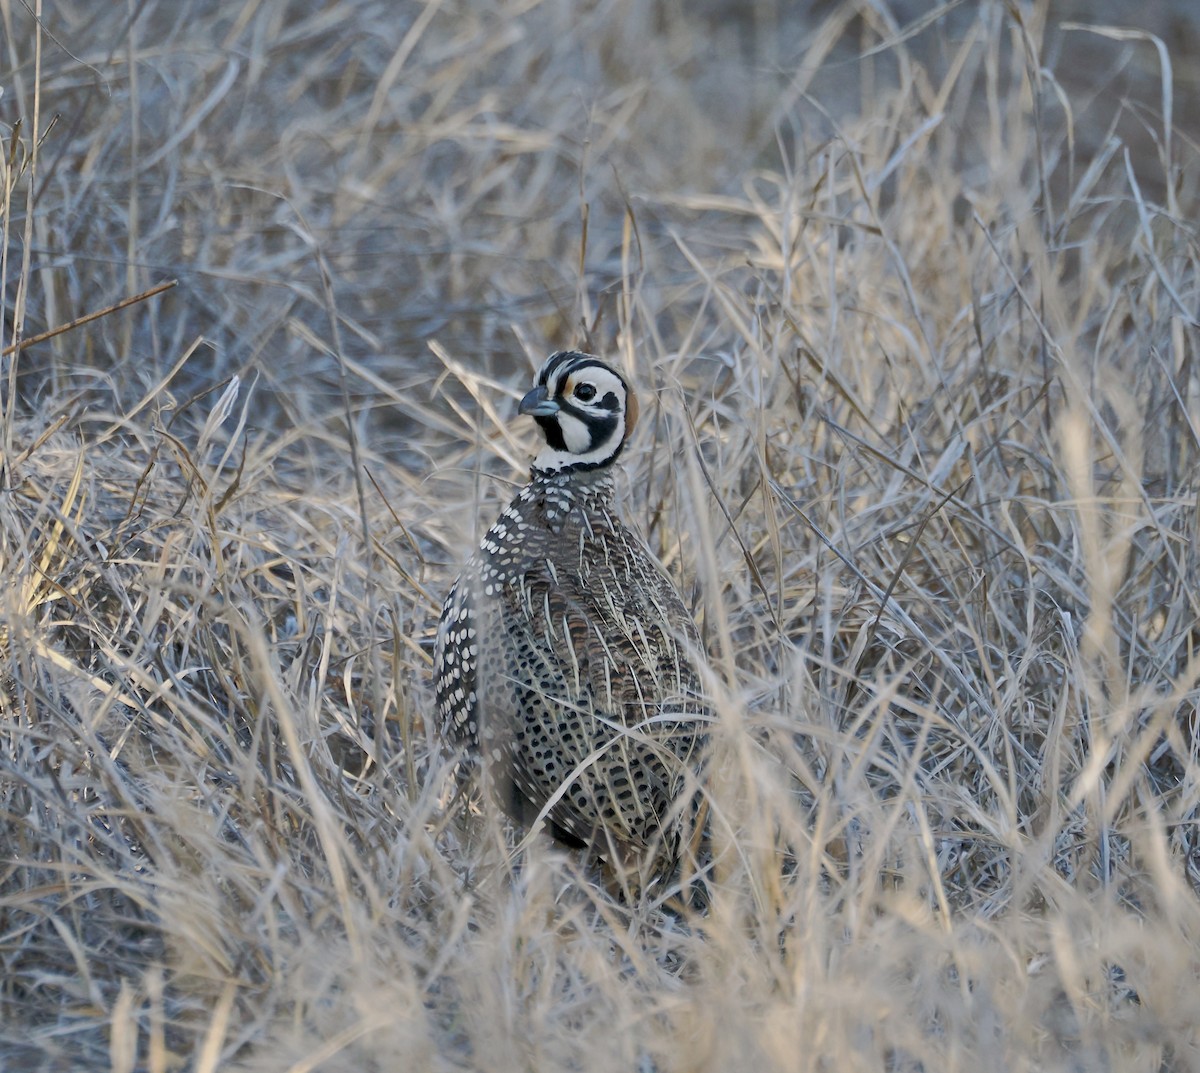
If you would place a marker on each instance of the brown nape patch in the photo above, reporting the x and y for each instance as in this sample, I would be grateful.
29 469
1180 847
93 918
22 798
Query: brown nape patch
631 410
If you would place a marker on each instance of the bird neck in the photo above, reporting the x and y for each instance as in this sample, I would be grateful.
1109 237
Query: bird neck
581 476
584 484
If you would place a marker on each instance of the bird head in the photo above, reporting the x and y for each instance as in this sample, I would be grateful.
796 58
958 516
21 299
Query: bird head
585 409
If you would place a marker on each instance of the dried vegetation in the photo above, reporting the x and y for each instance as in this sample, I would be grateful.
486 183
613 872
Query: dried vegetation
912 304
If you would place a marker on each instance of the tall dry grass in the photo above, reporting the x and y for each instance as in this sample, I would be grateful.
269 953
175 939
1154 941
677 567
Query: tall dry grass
911 303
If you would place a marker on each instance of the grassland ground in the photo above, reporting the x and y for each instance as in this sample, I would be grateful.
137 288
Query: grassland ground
910 296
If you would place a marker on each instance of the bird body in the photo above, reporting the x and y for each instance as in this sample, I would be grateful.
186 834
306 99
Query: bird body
565 657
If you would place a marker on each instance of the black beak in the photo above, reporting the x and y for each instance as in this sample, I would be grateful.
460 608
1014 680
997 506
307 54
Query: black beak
538 403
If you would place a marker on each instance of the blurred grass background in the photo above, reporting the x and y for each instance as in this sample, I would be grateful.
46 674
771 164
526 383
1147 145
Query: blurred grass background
909 292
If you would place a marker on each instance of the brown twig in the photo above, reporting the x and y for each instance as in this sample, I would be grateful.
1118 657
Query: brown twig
22 344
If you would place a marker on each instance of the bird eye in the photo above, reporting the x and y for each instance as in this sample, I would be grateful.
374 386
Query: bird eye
585 392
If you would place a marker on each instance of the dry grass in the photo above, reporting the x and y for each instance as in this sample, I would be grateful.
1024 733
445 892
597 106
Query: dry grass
914 319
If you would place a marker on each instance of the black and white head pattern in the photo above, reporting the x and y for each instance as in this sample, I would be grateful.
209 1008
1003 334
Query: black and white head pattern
586 411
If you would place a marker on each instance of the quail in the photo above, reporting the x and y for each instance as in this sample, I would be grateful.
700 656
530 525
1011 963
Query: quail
565 659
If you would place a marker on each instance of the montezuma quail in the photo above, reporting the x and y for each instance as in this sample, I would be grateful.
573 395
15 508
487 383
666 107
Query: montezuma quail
564 655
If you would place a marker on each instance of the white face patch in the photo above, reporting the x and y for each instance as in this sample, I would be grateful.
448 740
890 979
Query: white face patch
576 435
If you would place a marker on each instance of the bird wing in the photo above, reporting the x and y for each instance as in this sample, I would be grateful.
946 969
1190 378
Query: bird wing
455 657
603 692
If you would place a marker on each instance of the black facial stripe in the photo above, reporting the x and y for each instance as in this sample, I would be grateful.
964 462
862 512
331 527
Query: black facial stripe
565 363
556 362
553 432
593 410
600 426
577 467
602 429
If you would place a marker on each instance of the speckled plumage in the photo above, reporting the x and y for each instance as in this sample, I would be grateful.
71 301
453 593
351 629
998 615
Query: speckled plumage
564 655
